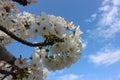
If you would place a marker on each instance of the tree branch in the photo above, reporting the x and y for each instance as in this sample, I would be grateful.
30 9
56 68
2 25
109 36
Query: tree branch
7 72
6 56
22 40
22 2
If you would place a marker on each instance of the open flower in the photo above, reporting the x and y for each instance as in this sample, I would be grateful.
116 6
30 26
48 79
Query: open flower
21 63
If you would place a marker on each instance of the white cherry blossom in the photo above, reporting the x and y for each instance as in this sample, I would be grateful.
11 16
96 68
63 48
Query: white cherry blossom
21 63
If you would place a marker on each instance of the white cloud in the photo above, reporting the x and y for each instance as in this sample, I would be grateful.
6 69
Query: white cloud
70 77
88 20
107 57
116 77
84 44
93 17
116 2
105 8
53 75
108 19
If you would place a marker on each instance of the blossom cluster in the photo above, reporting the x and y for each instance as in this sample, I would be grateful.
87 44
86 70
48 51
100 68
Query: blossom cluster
7 6
66 44
64 40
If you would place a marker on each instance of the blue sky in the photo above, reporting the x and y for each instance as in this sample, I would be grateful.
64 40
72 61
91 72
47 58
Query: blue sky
100 23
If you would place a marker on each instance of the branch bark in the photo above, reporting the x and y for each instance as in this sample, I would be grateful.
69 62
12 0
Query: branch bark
22 2
12 35
6 56
7 72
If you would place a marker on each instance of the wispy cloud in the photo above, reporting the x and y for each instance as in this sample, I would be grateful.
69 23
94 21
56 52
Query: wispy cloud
116 77
116 2
70 77
53 75
108 17
92 18
84 44
107 57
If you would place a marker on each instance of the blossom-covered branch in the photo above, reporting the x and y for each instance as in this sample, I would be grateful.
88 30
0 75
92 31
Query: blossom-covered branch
61 44
20 39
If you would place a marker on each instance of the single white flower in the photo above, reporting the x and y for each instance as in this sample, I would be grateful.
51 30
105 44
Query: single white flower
60 47
43 17
33 31
21 63
69 25
45 73
35 64
78 32
56 48
41 52
44 29
58 30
